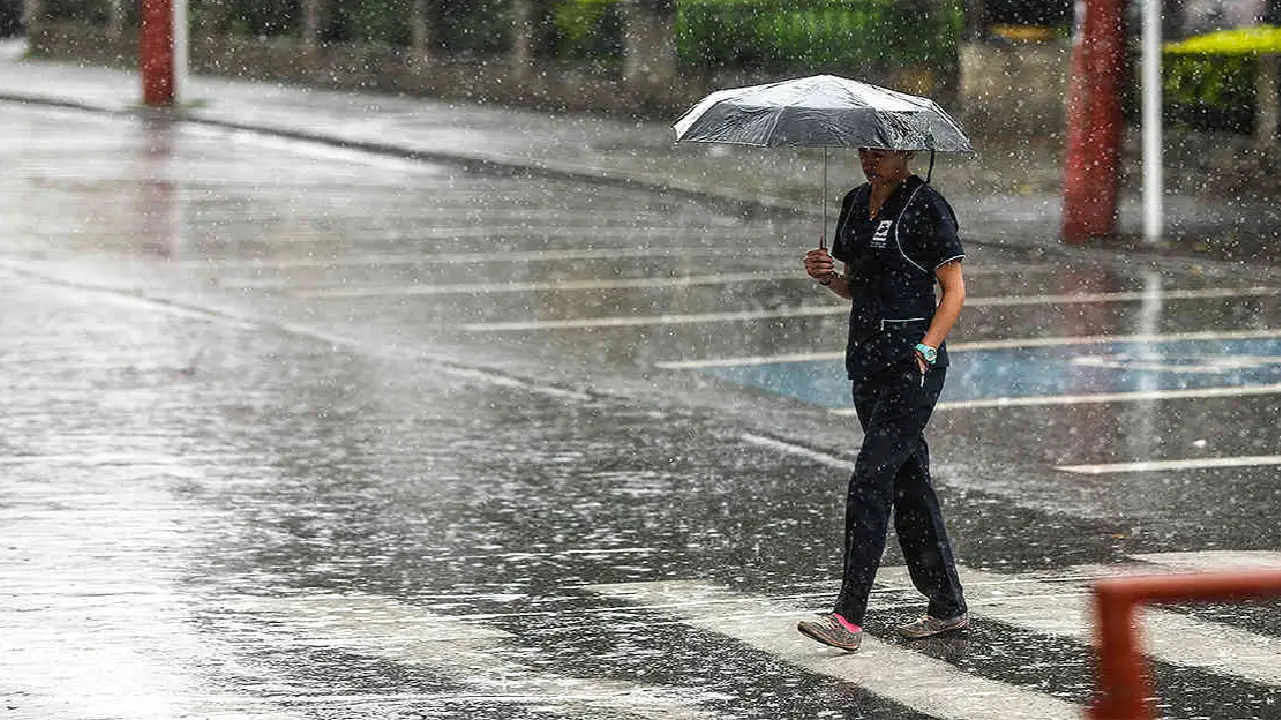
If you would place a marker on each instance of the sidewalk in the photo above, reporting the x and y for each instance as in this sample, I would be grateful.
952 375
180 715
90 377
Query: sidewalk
1007 195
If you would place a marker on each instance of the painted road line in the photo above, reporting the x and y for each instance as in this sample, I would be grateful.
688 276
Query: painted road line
497 233
929 686
513 257
688 280
817 456
751 360
548 285
234 319
979 345
1170 465
828 310
383 627
1063 608
823 458
1018 343
482 375
1100 398
1135 296
469 258
1204 364
494 378
643 320
1215 560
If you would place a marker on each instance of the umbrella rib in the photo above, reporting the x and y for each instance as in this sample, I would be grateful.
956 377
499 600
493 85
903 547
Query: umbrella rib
769 136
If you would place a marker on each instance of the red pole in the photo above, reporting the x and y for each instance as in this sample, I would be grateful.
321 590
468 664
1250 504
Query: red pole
155 50
1094 122
1123 688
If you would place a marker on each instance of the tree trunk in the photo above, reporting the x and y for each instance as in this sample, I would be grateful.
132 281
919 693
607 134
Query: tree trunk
649 50
32 15
522 38
1266 108
312 15
419 30
975 20
1172 14
115 18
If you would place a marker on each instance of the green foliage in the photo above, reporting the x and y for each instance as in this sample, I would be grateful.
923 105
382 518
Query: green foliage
838 35
844 34
259 19
588 29
92 12
368 22
778 34
465 27
243 18
577 19
472 27
1209 92
381 22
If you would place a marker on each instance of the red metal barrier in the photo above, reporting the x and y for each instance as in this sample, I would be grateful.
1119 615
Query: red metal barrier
1094 122
155 51
1124 686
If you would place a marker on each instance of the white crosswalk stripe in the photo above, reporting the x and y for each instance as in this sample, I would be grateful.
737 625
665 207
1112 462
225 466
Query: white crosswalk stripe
386 628
1048 603
1062 608
1215 560
922 683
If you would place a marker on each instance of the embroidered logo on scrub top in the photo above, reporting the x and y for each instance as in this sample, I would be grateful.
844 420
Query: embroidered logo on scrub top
882 234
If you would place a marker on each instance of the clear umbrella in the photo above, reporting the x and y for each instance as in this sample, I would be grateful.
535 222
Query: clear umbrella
822 111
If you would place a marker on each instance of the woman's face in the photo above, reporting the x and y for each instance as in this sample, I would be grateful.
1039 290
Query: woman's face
878 163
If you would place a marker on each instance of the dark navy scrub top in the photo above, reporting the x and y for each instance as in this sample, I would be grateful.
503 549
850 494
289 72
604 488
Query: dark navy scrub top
892 259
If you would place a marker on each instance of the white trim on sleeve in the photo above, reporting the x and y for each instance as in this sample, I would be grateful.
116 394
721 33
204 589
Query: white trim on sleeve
954 258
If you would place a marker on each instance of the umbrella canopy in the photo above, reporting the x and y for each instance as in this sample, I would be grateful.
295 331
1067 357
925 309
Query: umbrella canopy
821 111
1255 40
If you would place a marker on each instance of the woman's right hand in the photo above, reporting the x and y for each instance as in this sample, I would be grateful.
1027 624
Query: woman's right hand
819 265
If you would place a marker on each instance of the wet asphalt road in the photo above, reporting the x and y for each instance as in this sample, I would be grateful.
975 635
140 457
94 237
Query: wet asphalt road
293 432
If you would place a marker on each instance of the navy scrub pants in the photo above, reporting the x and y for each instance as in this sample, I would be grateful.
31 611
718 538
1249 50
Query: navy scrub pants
892 474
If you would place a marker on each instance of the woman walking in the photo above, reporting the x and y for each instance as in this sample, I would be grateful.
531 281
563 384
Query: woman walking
897 238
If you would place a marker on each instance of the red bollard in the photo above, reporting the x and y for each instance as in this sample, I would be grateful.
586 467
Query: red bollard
1094 122
155 50
1124 687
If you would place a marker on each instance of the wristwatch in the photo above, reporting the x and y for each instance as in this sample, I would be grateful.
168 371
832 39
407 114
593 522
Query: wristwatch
930 354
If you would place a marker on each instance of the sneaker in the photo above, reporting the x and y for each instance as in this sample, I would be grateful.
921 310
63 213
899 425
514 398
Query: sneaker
929 625
829 630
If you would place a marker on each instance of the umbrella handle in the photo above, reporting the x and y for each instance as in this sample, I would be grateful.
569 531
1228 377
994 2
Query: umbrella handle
822 236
